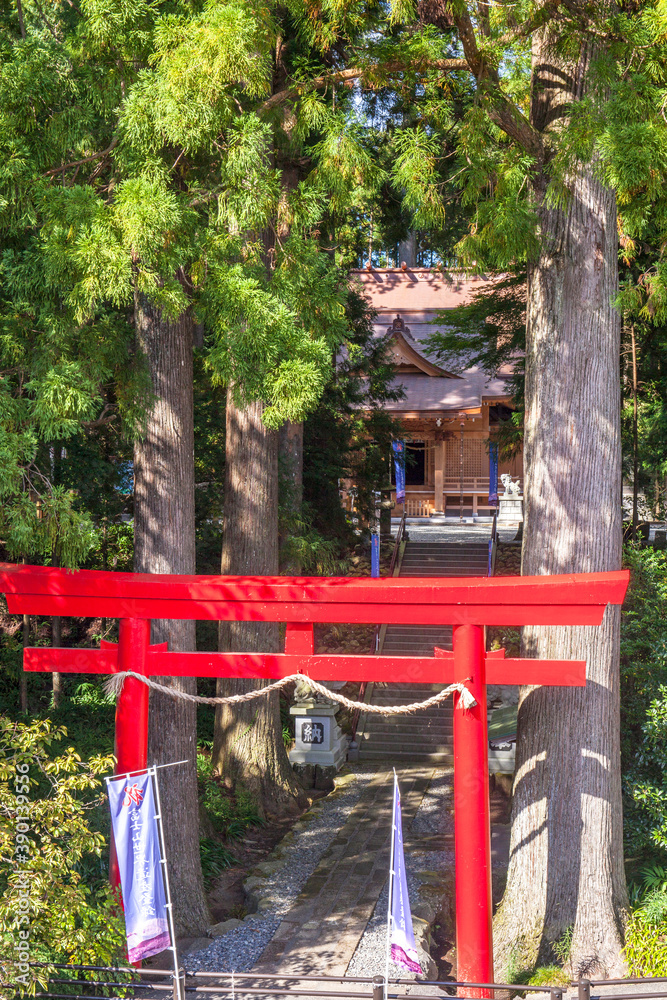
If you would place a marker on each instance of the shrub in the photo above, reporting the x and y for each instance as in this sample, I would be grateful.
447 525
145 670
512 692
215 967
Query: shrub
230 813
215 858
644 707
646 936
48 911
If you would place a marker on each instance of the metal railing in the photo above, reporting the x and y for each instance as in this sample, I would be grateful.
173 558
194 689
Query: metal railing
493 541
397 544
584 988
87 980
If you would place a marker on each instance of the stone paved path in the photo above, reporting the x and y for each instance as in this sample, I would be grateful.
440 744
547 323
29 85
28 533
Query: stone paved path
319 934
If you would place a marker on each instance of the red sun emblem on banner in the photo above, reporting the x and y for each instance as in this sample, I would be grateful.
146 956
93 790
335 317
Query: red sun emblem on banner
133 794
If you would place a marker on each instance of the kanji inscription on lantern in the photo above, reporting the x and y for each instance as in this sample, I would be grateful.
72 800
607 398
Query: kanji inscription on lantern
312 732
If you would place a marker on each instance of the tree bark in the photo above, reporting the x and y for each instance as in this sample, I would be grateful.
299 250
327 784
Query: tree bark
23 685
290 447
19 10
635 439
566 852
56 642
248 744
164 542
290 460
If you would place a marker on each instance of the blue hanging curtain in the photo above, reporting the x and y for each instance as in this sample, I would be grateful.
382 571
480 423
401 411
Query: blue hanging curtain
399 469
493 473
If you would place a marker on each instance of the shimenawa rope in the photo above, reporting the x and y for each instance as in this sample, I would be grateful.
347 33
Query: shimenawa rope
113 686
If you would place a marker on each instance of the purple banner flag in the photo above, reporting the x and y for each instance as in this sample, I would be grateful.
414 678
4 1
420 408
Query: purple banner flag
401 934
493 473
398 448
136 835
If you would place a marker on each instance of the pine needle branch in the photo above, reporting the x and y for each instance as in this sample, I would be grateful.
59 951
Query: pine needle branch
86 159
531 23
353 73
501 110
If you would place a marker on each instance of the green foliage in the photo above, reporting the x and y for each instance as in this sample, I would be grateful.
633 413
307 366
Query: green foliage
494 179
46 843
274 339
563 947
643 711
348 436
655 878
416 173
88 715
541 975
646 935
548 975
230 813
143 159
215 858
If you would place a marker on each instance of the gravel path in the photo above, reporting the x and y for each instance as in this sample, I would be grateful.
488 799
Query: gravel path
240 948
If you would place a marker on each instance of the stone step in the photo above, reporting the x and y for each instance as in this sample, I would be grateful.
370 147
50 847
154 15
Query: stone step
437 731
423 690
442 572
407 646
425 742
373 723
400 756
459 551
445 561
433 715
419 639
436 715
416 559
449 567
425 736
419 629
412 722
445 557
421 719
400 697
394 737
423 569
433 574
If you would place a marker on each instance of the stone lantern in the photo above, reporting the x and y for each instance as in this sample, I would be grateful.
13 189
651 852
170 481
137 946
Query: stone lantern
320 747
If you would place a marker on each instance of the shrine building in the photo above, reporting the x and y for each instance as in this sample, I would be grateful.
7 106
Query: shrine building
450 414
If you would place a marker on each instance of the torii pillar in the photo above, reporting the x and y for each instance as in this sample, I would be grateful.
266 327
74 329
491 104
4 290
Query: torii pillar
467 604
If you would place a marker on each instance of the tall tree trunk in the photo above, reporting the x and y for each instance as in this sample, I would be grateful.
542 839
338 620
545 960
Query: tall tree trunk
248 744
635 438
566 852
164 542
290 459
23 687
56 642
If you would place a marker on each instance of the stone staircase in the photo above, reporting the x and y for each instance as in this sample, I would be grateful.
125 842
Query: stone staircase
426 737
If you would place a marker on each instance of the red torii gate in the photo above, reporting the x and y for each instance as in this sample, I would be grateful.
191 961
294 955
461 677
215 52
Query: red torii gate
468 604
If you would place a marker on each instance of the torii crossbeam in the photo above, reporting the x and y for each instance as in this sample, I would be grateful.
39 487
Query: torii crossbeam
468 604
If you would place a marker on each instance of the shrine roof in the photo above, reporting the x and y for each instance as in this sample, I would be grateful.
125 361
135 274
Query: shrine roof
423 393
408 304
391 289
